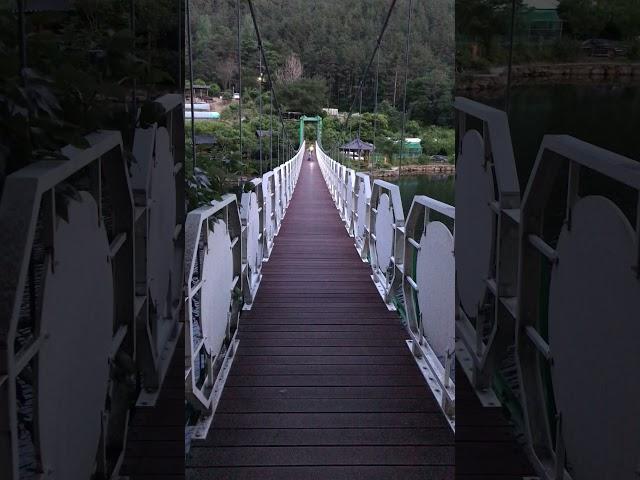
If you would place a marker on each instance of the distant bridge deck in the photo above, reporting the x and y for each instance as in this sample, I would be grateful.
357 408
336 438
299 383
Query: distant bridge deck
323 384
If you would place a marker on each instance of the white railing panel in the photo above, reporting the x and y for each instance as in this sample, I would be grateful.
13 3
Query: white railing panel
386 239
278 206
429 295
349 200
361 214
253 245
487 201
66 259
270 221
157 181
589 263
214 267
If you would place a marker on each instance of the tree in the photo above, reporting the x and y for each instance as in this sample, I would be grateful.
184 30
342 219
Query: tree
306 95
226 71
291 71
430 98
616 19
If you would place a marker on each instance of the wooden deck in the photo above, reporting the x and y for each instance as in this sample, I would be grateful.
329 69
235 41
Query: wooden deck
486 448
155 440
323 385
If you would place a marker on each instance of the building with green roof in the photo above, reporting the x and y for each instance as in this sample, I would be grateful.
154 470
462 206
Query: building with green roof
540 22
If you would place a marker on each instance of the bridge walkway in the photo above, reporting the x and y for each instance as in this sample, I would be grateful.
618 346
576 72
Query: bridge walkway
323 384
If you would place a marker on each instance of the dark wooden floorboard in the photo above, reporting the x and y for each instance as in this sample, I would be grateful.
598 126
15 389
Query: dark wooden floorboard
486 447
155 441
323 385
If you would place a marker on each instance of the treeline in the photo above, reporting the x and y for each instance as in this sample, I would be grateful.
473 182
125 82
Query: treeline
319 49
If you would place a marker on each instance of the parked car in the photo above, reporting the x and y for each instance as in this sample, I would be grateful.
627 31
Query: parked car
599 47
236 96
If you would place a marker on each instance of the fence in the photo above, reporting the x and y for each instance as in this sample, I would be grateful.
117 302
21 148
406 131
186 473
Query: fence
547 286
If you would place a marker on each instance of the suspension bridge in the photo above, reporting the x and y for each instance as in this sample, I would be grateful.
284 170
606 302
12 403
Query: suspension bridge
322 380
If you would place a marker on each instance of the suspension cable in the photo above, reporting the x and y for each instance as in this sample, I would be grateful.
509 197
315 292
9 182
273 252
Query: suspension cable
375 113
406 76
270 131
266 66
260 115
238 12
373 55
507 99
191 89
360 115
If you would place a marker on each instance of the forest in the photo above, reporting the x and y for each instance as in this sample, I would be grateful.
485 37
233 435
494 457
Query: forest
317 52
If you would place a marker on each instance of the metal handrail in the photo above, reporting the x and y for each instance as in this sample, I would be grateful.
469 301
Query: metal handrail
227 244
64 262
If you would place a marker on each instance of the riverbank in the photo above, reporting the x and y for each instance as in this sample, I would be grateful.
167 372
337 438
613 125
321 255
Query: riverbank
580 73
427 169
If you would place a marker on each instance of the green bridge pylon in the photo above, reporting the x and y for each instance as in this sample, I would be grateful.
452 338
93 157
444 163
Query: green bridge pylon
318 120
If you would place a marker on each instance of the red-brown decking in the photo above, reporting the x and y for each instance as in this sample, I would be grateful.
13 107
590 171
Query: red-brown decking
155 440
323 385
486 448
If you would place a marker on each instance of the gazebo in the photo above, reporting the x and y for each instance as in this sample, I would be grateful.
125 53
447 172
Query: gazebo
359 146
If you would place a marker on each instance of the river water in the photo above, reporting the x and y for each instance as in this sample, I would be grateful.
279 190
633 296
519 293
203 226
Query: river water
605 115
440 187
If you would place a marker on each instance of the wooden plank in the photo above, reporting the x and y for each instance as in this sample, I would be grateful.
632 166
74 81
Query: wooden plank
337 420
321 455
486 446
328 436
155 439
329 392
324 380
323 472
318 405
324 359
249 368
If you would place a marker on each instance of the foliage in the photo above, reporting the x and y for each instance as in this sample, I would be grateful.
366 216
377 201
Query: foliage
315 33
306 95
439 141
430 98
613 19
79 77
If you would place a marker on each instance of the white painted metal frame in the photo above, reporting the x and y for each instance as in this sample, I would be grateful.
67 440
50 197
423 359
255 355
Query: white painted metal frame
349 199
158 185
361 215
437 369
253 240
270 218
386 240
209 355
484 340
565 158
29 221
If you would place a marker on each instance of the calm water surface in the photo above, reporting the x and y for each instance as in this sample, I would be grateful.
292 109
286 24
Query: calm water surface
440 187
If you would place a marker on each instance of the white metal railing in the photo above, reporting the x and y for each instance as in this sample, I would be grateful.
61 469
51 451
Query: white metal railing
413 266
270 218
226 244
157 180
487 201
429 294
548 289
361 214
67 242
253 239
386 239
